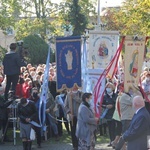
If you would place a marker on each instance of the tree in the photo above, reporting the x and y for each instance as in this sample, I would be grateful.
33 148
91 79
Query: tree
9 13
132 18
2 53
21 16
77 19
28 26
87 9
37 49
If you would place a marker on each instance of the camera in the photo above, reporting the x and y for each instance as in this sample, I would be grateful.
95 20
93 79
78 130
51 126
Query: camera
22 50
11 95
20 43
135 37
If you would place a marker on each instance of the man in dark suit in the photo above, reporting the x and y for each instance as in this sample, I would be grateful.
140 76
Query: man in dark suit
12 63
139 129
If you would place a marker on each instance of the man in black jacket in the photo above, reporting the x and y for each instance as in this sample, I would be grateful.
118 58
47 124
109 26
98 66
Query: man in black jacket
12 63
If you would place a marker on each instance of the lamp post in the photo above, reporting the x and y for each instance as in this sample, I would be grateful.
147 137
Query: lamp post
100 25
98 17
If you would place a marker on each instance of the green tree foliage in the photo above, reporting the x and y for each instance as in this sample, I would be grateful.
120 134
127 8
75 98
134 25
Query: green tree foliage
28 16
87 7
9 12
25 27
37 49
2 53
69 11
77 18
132 18
38 8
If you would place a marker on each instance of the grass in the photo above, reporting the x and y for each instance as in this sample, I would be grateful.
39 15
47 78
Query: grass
64 139
67 139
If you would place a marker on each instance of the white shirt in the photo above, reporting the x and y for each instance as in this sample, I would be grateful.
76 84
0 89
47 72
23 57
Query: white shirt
138 110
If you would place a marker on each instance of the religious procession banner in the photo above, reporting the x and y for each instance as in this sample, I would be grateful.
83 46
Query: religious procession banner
94 75
133 60
68 62
102 47
109 70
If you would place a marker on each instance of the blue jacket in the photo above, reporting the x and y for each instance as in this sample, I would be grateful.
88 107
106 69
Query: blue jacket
12 63
138 131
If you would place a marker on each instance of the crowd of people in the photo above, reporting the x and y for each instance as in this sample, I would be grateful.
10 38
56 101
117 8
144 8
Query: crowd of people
74 108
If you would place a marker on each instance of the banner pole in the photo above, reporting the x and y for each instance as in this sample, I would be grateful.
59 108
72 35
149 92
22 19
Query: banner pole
71 104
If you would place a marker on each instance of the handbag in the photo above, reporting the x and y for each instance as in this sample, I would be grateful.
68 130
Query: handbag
32 134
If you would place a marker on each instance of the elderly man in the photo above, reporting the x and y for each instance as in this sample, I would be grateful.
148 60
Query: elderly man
139 129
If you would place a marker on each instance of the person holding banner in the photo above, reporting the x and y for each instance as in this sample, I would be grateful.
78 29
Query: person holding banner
72 102
109 101
86 124
36 99
61 114
126 112
117 118
26 112
50 115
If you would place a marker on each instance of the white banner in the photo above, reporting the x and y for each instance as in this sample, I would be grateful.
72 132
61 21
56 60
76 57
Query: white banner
94 75
102 47
133 59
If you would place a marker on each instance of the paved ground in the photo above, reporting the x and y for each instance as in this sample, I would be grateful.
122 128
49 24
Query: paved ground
50 146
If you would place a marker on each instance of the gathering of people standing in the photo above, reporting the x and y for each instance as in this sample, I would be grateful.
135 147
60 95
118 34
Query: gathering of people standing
125 114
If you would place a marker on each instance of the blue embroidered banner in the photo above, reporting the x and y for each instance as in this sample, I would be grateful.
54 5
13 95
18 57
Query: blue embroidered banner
68 61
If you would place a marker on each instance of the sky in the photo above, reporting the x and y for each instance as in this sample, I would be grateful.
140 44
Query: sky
103 3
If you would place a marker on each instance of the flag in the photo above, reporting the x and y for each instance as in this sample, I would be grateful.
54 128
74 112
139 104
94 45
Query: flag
102 47
86 83
133 59
68 62
44 92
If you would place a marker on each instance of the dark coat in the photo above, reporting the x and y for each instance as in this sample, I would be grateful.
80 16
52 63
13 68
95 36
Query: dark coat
110 100
3 108
138 131
12 63
28 111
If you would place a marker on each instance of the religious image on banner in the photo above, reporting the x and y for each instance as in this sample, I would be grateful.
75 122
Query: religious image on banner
103 50
102 47
68 61
133 61
133 68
